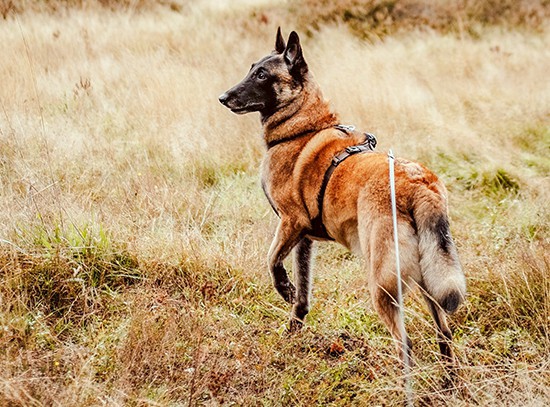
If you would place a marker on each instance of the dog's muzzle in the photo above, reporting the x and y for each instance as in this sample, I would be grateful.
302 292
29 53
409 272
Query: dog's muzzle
223 99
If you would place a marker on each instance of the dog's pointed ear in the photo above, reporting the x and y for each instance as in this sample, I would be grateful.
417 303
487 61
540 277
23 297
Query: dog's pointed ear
293 55
280 45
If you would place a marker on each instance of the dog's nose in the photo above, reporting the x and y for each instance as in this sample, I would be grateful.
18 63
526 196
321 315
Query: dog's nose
223 99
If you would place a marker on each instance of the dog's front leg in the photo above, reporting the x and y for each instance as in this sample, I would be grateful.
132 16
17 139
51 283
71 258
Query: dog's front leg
302 270
286 237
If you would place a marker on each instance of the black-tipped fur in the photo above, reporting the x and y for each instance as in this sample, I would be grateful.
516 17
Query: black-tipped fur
451 301
442 231
294 58
280 44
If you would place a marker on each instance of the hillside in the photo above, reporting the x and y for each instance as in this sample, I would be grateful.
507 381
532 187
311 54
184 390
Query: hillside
134 231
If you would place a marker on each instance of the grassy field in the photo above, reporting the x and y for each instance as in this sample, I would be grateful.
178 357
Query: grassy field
134 233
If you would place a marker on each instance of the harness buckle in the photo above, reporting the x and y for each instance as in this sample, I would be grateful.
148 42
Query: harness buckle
353 149
346 128
337 160
371 140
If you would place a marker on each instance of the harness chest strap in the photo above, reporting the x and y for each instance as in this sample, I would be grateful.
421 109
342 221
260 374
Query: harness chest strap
317 226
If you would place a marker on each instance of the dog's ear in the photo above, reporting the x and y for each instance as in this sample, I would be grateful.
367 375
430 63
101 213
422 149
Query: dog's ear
293 56
280 42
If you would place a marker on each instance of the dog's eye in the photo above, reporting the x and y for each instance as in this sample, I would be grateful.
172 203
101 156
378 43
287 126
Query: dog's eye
261 76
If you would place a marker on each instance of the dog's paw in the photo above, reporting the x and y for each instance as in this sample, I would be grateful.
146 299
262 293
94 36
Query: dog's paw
295 325
287 291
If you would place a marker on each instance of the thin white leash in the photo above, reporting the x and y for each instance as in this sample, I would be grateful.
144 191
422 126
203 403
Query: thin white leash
402 331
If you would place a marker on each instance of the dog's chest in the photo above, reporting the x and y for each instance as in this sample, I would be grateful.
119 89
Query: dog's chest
276 179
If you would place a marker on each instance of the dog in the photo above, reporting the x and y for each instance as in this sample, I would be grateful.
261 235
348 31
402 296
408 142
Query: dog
304 137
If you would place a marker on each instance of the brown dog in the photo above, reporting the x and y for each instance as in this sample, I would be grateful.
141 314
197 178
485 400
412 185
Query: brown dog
352 206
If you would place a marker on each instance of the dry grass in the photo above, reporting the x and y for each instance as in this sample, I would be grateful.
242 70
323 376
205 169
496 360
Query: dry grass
134 230
371 19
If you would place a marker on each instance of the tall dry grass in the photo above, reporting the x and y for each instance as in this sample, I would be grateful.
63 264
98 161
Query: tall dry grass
379 18
134 232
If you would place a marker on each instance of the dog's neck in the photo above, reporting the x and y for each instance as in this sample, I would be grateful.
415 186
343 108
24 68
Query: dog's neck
310 112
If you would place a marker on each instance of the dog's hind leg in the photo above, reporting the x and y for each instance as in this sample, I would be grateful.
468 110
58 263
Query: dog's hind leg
385 303
383 278
444 338
286 237
302 270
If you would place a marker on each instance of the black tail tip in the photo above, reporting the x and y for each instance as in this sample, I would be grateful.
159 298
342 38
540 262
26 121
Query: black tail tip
451 302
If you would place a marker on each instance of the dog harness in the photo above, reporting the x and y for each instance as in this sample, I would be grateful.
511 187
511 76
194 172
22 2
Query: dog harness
318 228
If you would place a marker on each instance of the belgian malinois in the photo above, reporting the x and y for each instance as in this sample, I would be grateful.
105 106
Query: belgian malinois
302 135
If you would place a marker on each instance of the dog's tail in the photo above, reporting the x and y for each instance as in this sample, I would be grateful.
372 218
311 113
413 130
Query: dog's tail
442 274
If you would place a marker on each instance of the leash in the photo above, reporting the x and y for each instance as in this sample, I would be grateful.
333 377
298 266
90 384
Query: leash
402 331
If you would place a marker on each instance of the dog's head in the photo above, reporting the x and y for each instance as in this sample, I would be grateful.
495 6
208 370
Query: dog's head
273 82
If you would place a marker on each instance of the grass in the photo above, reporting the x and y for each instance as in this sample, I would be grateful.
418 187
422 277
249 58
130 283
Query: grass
372 19
134 232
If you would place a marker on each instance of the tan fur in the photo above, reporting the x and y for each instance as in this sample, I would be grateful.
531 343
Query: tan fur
356 209
356 206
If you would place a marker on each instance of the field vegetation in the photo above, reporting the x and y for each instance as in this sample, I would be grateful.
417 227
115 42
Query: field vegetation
134 232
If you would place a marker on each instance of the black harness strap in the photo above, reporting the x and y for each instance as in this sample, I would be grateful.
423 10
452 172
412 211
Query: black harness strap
273 143
318 229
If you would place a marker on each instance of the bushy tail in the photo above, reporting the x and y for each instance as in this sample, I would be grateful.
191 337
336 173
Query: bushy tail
441 271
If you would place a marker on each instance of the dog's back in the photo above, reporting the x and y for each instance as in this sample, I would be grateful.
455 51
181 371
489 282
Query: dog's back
358 215
302 137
